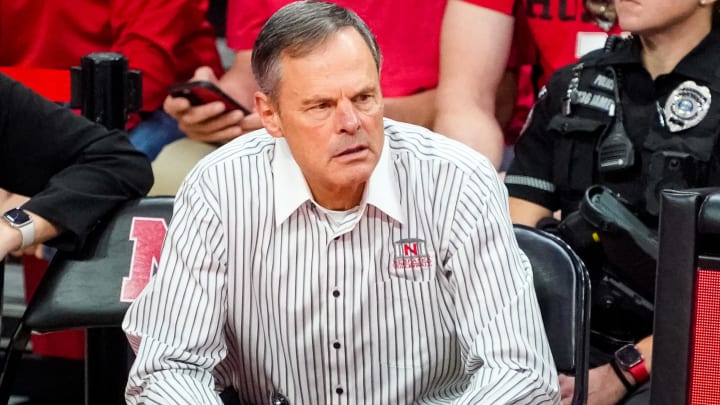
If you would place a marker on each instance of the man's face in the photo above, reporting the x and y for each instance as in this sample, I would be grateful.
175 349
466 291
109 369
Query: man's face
329 108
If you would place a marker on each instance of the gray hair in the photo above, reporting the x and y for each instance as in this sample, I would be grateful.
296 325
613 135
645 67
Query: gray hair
298 29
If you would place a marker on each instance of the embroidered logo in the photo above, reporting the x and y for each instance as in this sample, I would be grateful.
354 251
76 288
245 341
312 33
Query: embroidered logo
411 254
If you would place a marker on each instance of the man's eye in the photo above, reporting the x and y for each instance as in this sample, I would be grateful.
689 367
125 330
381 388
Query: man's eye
362 98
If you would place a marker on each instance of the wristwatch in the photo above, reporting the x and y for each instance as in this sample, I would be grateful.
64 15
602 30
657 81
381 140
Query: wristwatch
20 220
628 358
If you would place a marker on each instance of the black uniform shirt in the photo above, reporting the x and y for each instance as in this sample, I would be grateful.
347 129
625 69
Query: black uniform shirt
556 157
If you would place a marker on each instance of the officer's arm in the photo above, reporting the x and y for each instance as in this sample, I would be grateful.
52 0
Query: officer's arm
527 213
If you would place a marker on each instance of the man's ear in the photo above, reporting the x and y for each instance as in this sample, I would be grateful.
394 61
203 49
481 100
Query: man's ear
269 114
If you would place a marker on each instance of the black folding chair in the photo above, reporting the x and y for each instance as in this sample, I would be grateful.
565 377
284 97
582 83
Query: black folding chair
93 288
562 286
686 343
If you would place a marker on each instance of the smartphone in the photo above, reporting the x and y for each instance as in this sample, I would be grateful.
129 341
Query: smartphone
203 92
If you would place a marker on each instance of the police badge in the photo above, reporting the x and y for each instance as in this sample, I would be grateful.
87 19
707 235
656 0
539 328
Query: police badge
686 106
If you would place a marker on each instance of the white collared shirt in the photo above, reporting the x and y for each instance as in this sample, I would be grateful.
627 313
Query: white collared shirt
424 297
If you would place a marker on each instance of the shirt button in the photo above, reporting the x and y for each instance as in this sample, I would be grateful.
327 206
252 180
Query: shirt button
339 390
336 293
337 344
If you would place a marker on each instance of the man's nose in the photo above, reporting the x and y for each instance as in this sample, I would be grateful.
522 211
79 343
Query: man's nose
348 120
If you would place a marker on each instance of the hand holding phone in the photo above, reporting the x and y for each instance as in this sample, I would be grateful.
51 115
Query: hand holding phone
202 92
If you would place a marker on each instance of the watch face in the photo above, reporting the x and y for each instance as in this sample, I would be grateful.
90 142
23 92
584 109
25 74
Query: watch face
628 356
17 216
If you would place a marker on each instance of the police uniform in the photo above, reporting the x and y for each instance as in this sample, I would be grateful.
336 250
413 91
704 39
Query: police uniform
557 155
669 129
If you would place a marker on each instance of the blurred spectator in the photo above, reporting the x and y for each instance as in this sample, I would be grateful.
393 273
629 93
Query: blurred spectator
409 72
476 42
166 40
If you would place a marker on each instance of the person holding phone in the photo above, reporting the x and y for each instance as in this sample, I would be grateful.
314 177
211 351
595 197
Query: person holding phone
409 72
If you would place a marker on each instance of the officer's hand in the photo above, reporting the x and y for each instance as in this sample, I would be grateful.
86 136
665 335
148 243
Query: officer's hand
604 387
208 122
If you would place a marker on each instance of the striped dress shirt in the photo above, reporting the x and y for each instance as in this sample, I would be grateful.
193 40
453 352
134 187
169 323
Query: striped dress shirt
420 295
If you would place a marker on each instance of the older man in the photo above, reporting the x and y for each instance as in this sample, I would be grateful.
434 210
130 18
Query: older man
335 257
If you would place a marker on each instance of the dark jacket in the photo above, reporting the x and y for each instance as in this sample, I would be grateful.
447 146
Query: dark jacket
75 171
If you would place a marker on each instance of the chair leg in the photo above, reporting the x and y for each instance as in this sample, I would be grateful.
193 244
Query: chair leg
107 363
13 355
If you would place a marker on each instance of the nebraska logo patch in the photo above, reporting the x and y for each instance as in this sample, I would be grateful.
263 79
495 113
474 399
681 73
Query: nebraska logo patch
411 254
147 235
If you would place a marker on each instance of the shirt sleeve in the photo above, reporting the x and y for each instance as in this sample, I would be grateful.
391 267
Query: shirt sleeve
166 40
500 329
502 6
245 20
176 325
75 171
530 175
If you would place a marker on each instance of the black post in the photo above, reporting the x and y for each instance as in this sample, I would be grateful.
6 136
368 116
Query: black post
106 91
107 362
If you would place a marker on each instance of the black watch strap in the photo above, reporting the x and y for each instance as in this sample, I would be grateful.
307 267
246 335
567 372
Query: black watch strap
621 376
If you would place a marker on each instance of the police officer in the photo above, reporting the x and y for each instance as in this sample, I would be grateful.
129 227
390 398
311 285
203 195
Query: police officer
639 116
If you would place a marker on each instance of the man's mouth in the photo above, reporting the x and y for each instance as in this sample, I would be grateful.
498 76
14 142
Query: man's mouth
350 151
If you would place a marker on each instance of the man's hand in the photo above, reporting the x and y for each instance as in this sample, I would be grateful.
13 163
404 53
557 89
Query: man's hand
604 387
209 122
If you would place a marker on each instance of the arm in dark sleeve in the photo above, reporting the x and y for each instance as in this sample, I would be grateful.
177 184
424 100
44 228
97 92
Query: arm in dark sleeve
530 176
74 170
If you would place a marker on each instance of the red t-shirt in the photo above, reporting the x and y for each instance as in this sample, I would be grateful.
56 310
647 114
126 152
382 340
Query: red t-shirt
560 29
408 33
167 40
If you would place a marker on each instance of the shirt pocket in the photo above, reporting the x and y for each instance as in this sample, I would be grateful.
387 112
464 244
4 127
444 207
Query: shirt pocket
406 312
574 160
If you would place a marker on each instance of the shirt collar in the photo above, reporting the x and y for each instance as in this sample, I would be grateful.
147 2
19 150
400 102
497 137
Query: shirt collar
701 64
383 191
291 189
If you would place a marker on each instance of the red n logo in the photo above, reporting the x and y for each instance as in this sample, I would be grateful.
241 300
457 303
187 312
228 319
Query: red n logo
410 248
147 235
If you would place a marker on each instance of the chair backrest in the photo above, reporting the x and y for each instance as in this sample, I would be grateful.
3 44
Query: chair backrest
94 288
562 286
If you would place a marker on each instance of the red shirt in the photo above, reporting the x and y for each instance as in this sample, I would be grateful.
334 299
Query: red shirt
408 33
167 40
559 28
